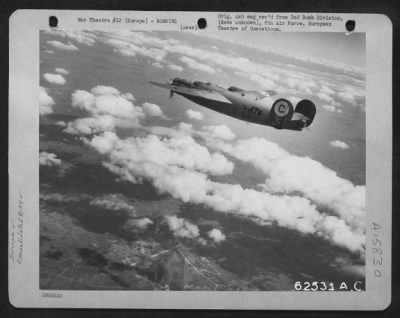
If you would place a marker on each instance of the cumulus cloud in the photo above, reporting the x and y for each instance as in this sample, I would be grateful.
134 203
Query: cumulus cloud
91 125
61 123
181 227
216 235
46 102
63 46
143 155
114 202
192 63
192 114
61 71
339 144
128 96
106 100
175 67
152 110
54 78
157 65
108 109
48 159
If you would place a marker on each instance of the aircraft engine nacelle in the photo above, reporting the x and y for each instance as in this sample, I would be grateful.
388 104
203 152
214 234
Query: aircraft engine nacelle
281 112
284 116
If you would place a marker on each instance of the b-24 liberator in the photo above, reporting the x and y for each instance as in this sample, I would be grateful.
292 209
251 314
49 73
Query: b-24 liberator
265 107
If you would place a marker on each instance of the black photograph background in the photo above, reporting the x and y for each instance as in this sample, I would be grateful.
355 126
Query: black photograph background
387 7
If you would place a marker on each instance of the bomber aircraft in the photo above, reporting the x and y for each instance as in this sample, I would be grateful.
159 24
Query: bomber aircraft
261 107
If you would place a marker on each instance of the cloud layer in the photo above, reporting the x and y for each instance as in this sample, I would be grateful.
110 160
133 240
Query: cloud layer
183 172
287 173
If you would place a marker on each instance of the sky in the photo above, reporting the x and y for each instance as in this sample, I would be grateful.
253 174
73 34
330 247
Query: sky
312 182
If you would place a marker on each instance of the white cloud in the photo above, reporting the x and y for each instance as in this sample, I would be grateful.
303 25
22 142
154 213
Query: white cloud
107 109
61 71
152 110
49 51
91 125
48 159
324 97
128 96
114 202
192 63
143 154
55 78
46 102
61 123
339 144
182 228
63 46
192 114
220 132
327 90
157 65
105 100
216 235
142 223
175 67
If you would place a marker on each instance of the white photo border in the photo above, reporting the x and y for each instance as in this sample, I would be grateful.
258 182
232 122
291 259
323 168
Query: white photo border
24 175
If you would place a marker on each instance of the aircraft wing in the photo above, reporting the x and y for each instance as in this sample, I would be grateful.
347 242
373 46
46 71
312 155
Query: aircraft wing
262 94
196 92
